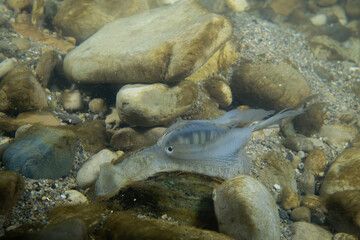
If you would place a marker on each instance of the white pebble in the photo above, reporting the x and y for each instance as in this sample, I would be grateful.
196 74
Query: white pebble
319 20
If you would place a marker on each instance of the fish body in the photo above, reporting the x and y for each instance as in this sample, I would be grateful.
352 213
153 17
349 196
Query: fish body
210 147
215 142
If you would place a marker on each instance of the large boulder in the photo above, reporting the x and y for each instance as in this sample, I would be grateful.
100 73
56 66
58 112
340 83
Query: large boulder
165 44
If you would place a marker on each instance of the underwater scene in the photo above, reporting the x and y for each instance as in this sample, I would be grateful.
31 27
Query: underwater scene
180 119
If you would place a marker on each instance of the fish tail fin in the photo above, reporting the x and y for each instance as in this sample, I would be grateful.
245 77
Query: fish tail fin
278 117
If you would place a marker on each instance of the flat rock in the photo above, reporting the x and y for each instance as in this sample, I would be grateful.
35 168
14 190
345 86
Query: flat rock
343 173
271 86
308 231
246 210
20 91
130 226
164 44
12 124
42 152
155 104
183 197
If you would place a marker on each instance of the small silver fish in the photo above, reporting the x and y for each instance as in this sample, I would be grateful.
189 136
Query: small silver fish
216 142
210 147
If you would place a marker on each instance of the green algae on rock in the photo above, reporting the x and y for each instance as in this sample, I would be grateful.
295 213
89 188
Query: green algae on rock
134 227
343 173
183 197
20 91
11 188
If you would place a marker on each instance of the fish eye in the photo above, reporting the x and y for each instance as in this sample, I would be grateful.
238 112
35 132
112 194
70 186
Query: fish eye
169 149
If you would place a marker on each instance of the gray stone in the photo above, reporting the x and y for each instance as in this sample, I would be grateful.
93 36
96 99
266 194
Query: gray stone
246 210
165 44
43 152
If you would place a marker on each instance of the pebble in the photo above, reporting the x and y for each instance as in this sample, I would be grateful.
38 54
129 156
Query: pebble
315 162
319 19
246 210
176 52
312 120
72 101
238 5
154 104
89 171
46 66
278 171
289 199
112 120
20 91
98 105
219 90
75 197
301 214
309 231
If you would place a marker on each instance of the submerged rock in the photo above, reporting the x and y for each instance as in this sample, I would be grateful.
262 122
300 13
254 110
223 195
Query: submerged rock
309 231
246 210
11 188
271 86
42 152
74 229
12 124
89 171
132 227
155 104
183 197
133 139
344 209
165 44
343 173
20 91
82 18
